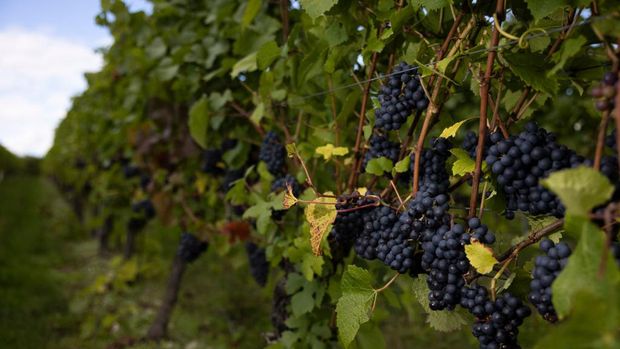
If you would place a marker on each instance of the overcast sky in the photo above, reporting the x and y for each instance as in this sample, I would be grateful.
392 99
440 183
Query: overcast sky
45 47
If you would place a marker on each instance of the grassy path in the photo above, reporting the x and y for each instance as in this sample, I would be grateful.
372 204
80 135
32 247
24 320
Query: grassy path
34 222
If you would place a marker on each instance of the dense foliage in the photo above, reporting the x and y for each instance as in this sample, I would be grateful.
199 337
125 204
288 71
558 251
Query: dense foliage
292 128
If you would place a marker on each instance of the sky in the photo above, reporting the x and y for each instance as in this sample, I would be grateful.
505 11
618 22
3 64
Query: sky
46 46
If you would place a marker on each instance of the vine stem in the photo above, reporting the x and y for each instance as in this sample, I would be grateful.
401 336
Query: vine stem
617 120
499 273
360 125
600 139
484 104
609 211
381 289
247 115
432 108
531 239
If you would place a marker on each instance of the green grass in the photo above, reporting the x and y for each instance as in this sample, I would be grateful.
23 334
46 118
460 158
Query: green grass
33 303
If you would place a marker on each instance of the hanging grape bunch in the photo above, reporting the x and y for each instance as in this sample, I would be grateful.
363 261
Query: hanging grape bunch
381 146
400 96
605 92
190 247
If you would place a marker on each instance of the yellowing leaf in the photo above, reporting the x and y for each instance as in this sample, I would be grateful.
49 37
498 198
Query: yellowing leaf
320 216
480 257
289 198
452 130
201 183
363 190
291 150
329 150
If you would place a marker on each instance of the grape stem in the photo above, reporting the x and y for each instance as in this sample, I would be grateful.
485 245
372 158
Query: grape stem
360 125
532 238
381 289
484 104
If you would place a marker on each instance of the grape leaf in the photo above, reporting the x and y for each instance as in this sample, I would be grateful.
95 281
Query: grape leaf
199 121
316 8
464 164
354 305
580 189
568 50
403 165
320 217
251 10
245 64
480 257
581 272
379 165
532 69
431 5
444 321
451 131
540 9
329 150
267 54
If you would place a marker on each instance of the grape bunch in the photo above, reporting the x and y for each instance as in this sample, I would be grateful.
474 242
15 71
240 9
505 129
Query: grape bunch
348 224
470 142
210 160
446 262
497 324
605 92
521 161
400 96
377 222
273 153
190 247
259 267
380 146
281 183
145 208
130 171
547 267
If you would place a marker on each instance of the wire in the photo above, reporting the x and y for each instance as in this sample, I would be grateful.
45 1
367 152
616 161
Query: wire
511 42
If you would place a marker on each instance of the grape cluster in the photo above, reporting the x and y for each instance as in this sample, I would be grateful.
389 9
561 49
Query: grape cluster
445 260
547 267
497 324
605 92
377 222
212 157
519 163
231 176
380 146
273 153
259 267
145 208
349 223
210 160
130 171
281 183
400 96
190 247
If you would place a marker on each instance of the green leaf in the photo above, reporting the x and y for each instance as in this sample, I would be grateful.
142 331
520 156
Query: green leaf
156 49
444 321
593 324
403 165
464 164
539 43
166 70
480 257
451 131
540 9
199 121
251 10
316 8
580 189
569 49
267 54
258 113
379 165
328 150
302 302
370 336
532 69
354 305
431 5
581 272
245 64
